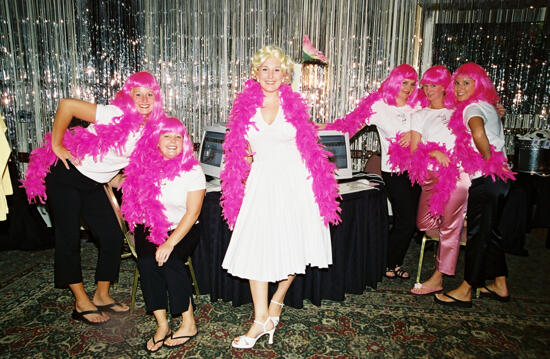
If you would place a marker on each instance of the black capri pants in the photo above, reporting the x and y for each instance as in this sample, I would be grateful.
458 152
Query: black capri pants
404 203
171 280
71 195
484 258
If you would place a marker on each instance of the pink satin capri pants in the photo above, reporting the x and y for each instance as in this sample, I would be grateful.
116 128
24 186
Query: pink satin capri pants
450 223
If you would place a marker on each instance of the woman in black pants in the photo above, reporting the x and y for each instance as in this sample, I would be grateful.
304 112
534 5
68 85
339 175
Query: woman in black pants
162 195
480 149
390 110
71 169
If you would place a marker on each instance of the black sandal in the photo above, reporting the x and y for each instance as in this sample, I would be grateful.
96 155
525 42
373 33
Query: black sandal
398 272
155 342
80 316
108 308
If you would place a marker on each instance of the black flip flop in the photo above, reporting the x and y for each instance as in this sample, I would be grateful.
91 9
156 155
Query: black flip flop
80 316
493 295
181 337
155 342
454 303
108 308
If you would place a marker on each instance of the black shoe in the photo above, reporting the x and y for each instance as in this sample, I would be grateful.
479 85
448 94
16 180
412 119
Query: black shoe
80 316
454 303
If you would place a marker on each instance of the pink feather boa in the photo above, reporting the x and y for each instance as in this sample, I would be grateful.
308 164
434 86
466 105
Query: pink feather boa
141 186
355 120
470 159
399 157
417 163
80 142
236 169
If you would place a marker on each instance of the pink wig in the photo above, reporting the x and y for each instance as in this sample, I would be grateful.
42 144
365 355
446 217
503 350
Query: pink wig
82 142
484 88
435 75
144 174
147 148
355 120
124 101
392 84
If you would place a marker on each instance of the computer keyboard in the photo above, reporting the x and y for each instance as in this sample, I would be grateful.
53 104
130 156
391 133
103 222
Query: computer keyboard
355 186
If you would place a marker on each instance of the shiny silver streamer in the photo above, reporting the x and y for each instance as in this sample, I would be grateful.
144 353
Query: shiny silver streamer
510 39
200 52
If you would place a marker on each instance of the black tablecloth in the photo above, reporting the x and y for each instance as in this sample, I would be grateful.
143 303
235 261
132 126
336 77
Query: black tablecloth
359 247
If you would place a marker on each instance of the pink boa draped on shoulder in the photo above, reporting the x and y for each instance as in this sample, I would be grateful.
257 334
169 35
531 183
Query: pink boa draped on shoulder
80 142
236 169
471 159
141 186
356 119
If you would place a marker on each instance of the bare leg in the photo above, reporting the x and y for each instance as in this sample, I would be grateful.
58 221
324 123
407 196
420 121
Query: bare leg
259 298
83 303
187 329
279 296
499 286
463 293
102 297
163 329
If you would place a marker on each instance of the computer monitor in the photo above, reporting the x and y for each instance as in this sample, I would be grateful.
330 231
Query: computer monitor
211 151
338 144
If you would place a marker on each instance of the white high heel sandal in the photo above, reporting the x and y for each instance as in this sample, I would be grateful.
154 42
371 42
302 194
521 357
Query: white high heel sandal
247 342
275 320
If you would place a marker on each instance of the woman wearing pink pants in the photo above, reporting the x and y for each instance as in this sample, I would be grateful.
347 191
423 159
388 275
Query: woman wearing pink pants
432 143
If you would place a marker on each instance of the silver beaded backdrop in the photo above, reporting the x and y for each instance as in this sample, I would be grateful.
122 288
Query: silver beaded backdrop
199 50
510 39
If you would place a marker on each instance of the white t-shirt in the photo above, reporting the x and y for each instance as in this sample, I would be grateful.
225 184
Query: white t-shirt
106 168
433 125
492 123
388 121
173 194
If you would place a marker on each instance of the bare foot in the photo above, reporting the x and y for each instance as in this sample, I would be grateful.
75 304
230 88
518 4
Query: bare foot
423 289
181 336
435 281
457 294
502 292
92 317
113 305
157 340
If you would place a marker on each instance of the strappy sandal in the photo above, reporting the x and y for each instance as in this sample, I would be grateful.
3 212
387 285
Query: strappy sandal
245 342
398 272
275 320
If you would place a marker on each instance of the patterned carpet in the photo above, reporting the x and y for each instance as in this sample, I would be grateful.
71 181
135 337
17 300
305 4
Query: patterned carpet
386 323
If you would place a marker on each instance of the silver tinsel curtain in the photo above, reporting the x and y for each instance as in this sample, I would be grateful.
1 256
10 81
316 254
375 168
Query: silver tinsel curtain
200 51
510 39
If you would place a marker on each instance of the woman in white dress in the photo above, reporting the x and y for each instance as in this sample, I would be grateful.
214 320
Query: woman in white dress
278 190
